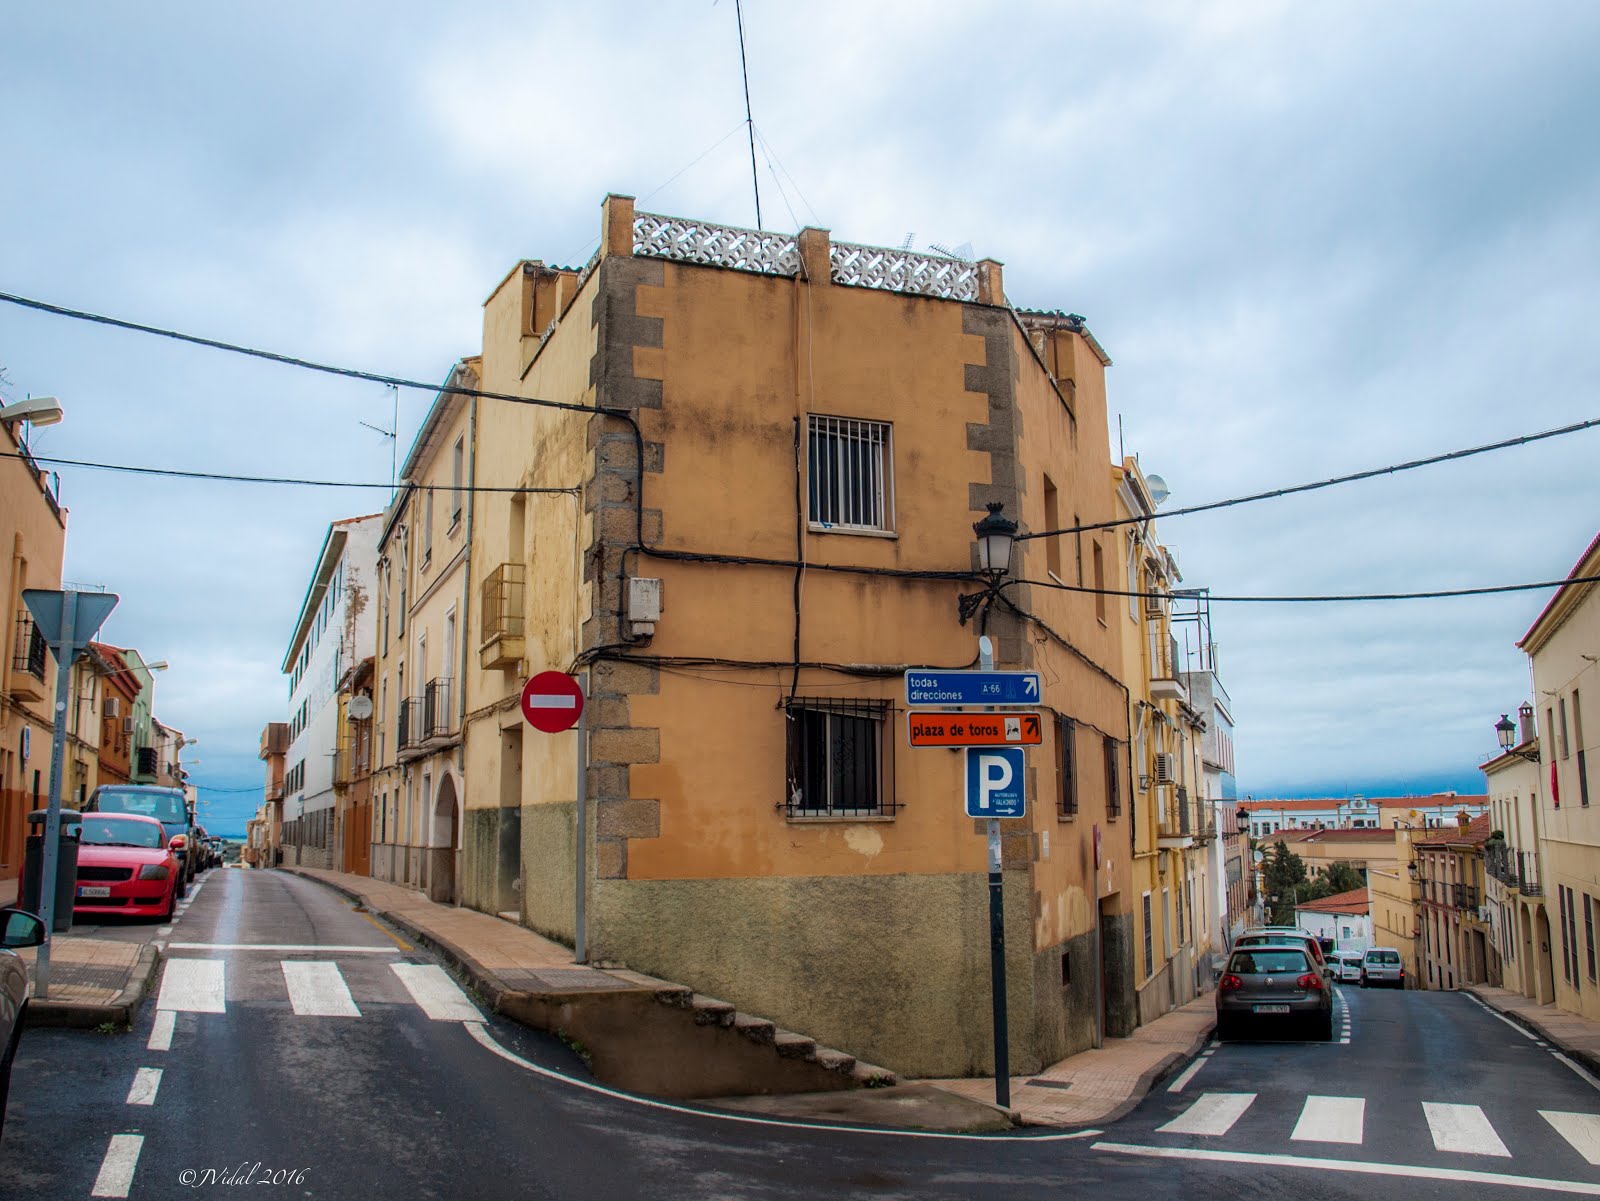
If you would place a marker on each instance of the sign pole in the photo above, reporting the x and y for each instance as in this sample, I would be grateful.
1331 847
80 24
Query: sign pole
52 823
997 939
580 949
1099 953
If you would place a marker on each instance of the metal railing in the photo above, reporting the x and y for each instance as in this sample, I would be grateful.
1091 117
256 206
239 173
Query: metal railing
1499 862
341 767
145 761
436 721
408 723
1528 882
29 650
503 593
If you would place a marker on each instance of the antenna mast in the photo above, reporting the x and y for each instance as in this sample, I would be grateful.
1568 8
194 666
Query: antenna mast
749 120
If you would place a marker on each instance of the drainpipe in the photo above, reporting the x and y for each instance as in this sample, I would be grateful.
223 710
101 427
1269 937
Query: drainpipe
462 635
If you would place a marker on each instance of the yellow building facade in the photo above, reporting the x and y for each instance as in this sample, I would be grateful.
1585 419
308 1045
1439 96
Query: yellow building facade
1519 910
1563 646
1396 904
753 517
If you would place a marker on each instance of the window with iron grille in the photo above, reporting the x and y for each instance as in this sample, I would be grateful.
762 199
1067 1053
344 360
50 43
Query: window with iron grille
1149 940
1113 792
851 474
1066 767
837 761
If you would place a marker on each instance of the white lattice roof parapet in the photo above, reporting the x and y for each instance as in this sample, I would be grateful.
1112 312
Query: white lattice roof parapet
659 237
903 271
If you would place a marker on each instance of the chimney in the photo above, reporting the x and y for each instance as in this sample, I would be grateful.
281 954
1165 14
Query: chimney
1525 720
1463 819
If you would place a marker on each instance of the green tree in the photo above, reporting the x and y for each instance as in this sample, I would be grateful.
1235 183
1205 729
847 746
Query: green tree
1285 878
1340 877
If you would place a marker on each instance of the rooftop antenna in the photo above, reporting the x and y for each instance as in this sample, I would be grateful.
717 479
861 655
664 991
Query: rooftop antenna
749 119
905 242
962 253
394 438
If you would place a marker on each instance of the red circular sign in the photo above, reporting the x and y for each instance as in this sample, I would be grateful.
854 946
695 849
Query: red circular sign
552 702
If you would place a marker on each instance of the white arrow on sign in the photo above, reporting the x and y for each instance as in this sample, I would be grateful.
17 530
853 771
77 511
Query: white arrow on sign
1031 686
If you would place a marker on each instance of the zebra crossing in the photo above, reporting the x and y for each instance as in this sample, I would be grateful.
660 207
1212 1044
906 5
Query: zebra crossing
309 987
1454 1128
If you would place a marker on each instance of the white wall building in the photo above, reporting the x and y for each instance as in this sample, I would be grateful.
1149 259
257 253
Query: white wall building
335 628
1345 917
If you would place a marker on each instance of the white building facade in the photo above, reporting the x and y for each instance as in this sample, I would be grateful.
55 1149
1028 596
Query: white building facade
334 629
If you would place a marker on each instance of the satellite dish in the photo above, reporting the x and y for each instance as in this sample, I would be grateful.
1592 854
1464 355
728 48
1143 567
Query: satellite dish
361 707
1158 488
1259 856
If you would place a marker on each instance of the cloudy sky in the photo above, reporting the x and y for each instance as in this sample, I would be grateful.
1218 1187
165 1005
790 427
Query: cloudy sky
1314 239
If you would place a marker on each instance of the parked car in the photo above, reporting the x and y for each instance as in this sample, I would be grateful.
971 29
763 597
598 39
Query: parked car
166 805
1261 938
125 867
1381 965
18 929
203 853
1347 967
1270 986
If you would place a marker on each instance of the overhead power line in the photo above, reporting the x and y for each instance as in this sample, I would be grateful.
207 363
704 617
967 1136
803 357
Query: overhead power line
179 473
1370 473
1330 598
270 356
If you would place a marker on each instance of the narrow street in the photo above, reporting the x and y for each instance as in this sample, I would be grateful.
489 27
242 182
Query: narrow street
292 1032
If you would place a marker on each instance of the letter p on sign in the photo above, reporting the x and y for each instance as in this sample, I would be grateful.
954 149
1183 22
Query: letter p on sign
996 778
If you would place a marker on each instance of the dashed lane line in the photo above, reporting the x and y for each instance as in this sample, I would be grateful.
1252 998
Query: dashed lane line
145 1083
1403 1171
161 1032
117 1168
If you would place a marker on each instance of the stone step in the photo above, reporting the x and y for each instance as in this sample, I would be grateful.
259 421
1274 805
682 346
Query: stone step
870 1075
708 1011
792 1045
834 1061
755 1029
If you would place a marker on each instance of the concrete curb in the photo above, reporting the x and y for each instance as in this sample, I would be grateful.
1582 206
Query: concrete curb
1146 1083
86 1015
1588 1059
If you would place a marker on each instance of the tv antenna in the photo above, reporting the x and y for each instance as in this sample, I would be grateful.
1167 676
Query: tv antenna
393 435
962 253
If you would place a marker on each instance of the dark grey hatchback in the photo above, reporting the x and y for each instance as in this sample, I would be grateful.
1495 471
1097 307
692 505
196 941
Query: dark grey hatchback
1270 987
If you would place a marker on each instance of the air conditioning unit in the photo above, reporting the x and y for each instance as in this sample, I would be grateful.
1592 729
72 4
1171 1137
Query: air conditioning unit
127 725
1152 604
1166 768
113 706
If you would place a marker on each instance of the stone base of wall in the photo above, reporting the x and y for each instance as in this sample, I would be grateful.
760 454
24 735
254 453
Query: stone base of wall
892 969
549 871
1173 985
1122 1006
491 853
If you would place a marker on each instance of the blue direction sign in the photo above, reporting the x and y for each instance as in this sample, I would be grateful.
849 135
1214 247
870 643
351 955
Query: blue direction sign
995 782
972 687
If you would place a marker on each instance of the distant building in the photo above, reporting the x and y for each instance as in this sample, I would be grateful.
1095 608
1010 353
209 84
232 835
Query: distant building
1450 877
334 629
1345 917
1519 913
1439 810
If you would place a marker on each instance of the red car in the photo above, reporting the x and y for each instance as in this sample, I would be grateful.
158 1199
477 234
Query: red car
125 866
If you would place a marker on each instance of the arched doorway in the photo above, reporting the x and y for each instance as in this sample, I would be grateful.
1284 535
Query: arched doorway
1530 979
1545 959
445 851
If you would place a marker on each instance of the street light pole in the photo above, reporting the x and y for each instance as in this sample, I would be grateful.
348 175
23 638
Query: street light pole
997 939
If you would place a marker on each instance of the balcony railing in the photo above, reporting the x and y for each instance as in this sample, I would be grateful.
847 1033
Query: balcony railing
28 660
504 593
145 761
1528 882
436 721
408 724
1499 862
341 767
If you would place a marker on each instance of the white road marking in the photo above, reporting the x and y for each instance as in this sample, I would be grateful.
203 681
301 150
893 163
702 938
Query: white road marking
163 931
435 993
161 1032
1578 1068
1177 1086
1404 1171
484 1039
1582 1130
1495 1013
316 989
1331 1120
1462 1128
194 986
116 1169
145 1083
1213 1114
285 948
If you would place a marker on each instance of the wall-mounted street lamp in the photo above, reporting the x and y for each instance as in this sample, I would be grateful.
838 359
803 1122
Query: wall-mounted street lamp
36 410
1506 730
997 534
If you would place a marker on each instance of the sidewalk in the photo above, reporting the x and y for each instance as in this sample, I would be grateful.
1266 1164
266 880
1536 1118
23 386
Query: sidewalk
92 980
1102 1085
1578 1036
507 963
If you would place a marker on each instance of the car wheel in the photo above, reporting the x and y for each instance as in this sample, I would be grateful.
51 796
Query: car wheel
1323 1030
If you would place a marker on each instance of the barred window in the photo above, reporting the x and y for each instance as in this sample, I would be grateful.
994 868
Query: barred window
851 474
838 766
1066 767
1113 792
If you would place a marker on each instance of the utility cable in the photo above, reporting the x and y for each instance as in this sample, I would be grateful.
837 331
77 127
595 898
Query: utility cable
271 479
1371 473
1325 599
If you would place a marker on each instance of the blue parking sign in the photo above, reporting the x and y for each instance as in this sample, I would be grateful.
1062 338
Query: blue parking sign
996 782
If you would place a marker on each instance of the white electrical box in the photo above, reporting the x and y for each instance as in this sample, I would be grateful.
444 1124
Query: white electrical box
644 606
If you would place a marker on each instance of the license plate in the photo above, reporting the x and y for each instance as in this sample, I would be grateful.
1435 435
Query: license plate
93 890
1269 1009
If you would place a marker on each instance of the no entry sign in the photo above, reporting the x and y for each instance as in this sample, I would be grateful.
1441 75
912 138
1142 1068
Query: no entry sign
552 702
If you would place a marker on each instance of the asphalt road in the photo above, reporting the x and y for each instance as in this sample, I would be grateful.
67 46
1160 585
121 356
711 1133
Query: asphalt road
362 1070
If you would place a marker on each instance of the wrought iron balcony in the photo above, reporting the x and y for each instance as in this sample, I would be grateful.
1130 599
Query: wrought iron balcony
28 661
1528 881
341 767
408 724
436 715
145 761
504 595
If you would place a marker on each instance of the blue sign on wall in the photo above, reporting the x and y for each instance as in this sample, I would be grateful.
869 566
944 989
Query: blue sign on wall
996 782
972 687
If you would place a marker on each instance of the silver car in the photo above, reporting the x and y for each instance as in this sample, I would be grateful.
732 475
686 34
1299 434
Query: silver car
1347 967
1381 966
18 929
1267 987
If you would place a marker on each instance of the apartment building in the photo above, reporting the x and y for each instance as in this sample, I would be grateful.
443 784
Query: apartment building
1518 908
1450 877
333 629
